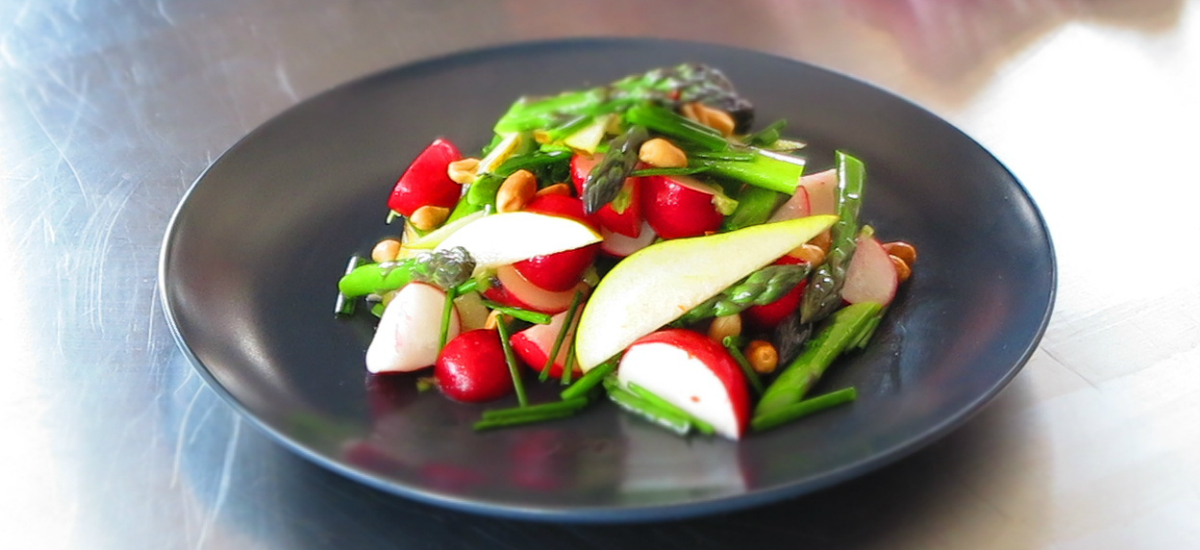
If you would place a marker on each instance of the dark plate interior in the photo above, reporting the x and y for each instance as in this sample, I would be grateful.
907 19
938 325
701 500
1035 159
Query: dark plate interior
252 256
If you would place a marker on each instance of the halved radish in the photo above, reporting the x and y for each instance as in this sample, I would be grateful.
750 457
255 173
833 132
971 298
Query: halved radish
426 181
768 316
511 289
561 270
533 344
822 192
871 275
472 368
408 333
679 206
693 373
628 221
797 206
616 244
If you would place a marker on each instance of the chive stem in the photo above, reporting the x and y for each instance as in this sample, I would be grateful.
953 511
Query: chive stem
589 380
536 410
647 410
803 408
519 420
513 368
535 317
447 310
700 425
731 344
682 171
562 334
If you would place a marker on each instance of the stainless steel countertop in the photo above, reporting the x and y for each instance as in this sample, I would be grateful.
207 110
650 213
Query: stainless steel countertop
110 109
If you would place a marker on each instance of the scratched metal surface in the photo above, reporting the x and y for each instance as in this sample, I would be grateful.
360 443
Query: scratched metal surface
110 109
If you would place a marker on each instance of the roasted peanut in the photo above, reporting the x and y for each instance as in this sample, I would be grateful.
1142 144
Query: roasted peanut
727 325
386 250
463 171
822 241
662 153
516 191
712 117
762 356
556 189
903 271
429 217
902 250
808 253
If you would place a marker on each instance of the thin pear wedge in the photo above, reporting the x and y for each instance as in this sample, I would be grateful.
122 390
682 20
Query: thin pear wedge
657 284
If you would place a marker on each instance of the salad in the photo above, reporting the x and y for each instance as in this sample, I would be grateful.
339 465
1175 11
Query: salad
636 241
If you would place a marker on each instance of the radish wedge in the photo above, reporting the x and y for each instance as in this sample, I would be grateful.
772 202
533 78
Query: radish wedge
871 275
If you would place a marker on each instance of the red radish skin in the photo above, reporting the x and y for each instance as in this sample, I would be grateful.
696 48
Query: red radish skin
797 206
472 368
562 270
627 222
620 246
426 182
822 192
693 373
676 210
870 275
511 289
768 316
533 345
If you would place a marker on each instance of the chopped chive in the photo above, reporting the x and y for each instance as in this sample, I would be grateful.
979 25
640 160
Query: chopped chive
562 334
589 380
447 309
468 286
377 309
682 171
518 313
868 331
701 426
803 408
519 420
392 215
734 156
665 121
647 410
513 368
768 135
731 344
568 365
536 410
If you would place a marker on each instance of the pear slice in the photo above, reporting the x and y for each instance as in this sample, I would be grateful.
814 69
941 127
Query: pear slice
657 284
502 239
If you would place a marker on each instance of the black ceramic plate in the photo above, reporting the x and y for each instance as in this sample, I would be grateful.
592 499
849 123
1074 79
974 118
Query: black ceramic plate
252 256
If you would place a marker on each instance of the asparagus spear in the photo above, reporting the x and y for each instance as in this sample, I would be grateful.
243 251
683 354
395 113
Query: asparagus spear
442 268
759 288
604 182
766 169
670 86
803 408
842 330
755 205
668 123
824 290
